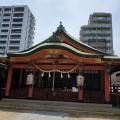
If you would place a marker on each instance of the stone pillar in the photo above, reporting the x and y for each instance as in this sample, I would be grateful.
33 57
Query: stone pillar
9 79
107 92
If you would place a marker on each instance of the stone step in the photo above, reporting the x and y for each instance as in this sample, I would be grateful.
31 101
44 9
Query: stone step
59 106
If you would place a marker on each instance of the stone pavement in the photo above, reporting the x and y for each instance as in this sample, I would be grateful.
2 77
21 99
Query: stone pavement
17 109
32 115
10 114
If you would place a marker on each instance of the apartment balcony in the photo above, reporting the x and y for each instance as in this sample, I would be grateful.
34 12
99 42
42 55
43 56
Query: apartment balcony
2 44
102 25
14 44
15 38
108 45
17 26
3 38
13 48
101 18
15 32
103 32
17 22
6 17
8 12
19 9
89 32
2 51
18 15
3 33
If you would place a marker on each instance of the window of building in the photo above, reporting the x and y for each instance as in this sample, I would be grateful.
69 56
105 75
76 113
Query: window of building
5 25
6 20
18 9
18 20
14 42
18 15
16 31
6 15
108 50
2 42
7 9
16 25
108 44
2 48
15 36
4 31
3 36
13 48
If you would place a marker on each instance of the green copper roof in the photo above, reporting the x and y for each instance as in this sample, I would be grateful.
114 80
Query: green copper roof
112 58
56 46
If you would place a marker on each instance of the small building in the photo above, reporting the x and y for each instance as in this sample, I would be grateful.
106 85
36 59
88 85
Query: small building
55 65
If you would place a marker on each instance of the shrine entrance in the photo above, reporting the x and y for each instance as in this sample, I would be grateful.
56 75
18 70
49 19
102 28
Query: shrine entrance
63 84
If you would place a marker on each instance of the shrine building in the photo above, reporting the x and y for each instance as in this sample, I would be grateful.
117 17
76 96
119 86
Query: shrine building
55 64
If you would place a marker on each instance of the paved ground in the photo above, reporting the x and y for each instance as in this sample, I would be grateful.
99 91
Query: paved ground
6 114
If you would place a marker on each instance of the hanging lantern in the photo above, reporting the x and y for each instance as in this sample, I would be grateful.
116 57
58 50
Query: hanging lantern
61 75
80 80
68 75
42 74
30 80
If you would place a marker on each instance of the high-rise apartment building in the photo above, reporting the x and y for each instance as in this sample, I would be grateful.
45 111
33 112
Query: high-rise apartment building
16 28
98 32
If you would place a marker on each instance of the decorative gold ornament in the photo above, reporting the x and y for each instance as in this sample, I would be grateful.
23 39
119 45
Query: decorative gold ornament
54 51
98 60
12 59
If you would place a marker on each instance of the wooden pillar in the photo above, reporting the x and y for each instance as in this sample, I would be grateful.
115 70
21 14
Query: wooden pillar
20 77
80 93
107 93
31 87
9 79
40 79
110 84
30 92
80 90
102 77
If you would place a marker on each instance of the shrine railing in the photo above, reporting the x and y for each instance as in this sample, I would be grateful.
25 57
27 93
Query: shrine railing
93 96
56 95
21 93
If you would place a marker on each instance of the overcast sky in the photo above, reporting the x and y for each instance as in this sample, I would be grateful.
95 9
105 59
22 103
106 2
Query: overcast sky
72 13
